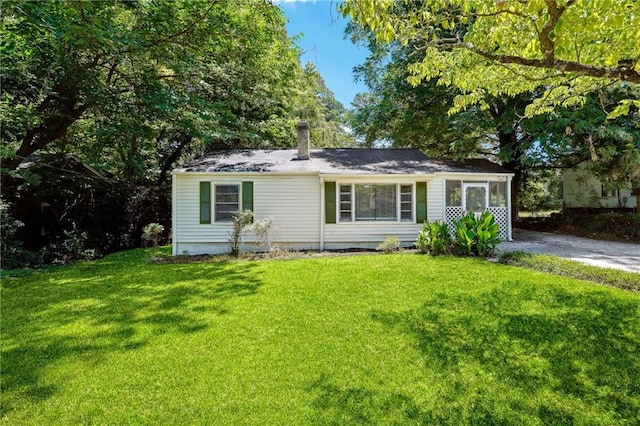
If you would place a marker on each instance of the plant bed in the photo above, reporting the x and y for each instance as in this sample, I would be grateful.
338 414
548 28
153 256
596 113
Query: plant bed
589 223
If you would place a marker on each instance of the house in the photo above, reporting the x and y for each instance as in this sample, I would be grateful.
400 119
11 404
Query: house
330 198
580 188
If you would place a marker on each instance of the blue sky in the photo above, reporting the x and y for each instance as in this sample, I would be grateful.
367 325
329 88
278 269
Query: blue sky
323 43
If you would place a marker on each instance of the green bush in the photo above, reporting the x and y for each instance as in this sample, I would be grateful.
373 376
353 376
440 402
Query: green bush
389 245
69 248
434 238
569 268
477 236
11 252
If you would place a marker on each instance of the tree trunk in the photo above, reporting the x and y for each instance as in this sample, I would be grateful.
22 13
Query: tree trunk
168 162
60 112
509 144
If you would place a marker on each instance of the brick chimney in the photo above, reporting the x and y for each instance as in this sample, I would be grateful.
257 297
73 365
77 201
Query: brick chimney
303 140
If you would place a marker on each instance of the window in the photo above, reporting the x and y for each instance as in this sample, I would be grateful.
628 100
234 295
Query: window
474 193
606 192
345 203
454 193
497 194
406 203
375 202
227 202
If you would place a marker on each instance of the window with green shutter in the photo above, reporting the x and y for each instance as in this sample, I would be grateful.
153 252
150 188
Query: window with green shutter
247 195
205 202
421 202
330 202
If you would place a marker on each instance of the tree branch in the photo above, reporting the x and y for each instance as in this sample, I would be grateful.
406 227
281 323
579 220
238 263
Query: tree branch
182 32
623 73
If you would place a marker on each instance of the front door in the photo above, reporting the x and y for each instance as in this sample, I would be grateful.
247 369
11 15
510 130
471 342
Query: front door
475 197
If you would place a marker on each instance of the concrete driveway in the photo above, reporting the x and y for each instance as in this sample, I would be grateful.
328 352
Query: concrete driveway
606 254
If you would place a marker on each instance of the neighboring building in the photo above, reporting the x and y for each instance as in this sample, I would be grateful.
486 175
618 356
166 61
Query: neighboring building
580 188
330 198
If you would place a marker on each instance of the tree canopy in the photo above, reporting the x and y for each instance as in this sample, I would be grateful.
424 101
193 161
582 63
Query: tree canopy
403 115
131 86
498 48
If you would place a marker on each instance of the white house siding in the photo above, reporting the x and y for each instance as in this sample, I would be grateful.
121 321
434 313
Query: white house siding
293 203
368 234
435 199
296 205
582 189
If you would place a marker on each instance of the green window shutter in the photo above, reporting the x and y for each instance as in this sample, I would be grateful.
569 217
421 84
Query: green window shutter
205 202
421 202
247 195
330 202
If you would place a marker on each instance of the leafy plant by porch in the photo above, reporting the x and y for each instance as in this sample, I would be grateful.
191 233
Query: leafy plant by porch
477 236
358 339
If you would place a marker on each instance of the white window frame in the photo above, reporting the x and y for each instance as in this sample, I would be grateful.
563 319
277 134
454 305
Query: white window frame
214 197
398 218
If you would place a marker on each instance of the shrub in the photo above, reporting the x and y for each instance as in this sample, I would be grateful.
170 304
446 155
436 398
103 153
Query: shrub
434 238
261 230
152 233
477 236
389 245
10 247
241 219
72 246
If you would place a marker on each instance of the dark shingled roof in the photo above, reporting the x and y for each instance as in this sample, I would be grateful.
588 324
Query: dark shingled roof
337 161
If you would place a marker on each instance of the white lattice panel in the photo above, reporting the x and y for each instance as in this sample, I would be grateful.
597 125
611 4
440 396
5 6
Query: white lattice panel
502 218
452 213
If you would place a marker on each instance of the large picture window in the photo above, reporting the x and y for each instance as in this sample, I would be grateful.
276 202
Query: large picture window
227 202
376 202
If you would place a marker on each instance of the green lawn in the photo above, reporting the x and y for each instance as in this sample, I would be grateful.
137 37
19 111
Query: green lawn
377 339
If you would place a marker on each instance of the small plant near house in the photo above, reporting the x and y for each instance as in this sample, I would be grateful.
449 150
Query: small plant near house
389 245
241 221
477 236
434 238
261 229
152 233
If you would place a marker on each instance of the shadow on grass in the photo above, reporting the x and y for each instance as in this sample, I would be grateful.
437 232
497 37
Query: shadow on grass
523 355
359 405
120 303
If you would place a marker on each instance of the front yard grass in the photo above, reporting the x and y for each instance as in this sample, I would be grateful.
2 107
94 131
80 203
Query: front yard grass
376 339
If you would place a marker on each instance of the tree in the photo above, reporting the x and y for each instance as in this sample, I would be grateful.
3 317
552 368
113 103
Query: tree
403 115
325 114
131 75
133 88
498 48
